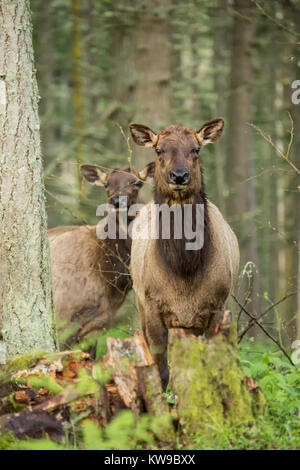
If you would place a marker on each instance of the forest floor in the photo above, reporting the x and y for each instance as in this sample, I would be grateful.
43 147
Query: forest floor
106 403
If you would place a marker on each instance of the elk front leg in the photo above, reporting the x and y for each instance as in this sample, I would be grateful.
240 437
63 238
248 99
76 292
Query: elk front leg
156 336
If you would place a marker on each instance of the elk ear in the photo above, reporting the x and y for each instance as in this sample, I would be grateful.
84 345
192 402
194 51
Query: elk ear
210 132
143 135
147 172
94 175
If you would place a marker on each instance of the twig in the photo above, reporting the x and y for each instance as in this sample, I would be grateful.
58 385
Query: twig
271 18
264 330
127 143
251 322
268 138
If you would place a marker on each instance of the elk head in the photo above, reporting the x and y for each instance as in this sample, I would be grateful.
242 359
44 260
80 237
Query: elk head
118 182
177 168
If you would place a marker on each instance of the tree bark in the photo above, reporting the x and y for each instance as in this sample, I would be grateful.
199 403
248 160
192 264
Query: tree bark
153 70
78 120
219 60
241 201
28 316
272 264
46 80
291 213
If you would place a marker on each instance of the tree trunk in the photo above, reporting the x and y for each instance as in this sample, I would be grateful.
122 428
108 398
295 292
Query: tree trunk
122 84
272 265
291 199
153 70
241 200
46 80
219 60
77 96
27 313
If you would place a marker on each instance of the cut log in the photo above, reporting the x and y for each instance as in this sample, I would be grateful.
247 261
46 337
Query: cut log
122 359
137 381
35 424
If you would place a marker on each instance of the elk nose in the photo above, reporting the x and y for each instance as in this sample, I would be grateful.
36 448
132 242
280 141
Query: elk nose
119 202
115 201
179 174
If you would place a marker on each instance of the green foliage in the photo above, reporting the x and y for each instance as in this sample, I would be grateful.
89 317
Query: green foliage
100 374
281 385
97 340
279 427
43 444
46 382
9 442
124 432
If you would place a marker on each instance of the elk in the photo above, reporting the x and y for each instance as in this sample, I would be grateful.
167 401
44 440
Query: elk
176 287
90 276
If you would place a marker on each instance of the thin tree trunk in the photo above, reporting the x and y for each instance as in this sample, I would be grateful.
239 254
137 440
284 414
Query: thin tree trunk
122 83
46 80
272 264
77 95
27 310
241 200
291 188
220 30
153 69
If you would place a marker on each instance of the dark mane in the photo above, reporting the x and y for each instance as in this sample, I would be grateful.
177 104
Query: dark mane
185 263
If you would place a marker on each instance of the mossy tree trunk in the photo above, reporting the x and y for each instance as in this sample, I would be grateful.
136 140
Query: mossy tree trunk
27 310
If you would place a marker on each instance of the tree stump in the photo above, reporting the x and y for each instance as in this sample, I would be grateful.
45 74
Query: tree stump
209 383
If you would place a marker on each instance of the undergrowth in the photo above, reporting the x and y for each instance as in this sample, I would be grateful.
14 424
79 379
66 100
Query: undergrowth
278 428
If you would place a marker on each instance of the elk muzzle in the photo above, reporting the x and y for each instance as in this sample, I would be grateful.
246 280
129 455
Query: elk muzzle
179 175
119 202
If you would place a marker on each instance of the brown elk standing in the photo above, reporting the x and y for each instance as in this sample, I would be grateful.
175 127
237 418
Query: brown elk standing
90 276
175 287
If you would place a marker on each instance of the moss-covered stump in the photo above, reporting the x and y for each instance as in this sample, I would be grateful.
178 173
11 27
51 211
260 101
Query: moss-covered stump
209 383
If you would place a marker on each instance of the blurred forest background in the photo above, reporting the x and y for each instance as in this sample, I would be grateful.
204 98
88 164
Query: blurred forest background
102 64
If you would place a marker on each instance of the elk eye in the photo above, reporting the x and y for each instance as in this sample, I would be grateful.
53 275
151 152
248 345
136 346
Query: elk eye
158 151
106 185
197 150
139 184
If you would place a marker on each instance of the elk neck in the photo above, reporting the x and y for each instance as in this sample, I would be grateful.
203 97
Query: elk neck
176 259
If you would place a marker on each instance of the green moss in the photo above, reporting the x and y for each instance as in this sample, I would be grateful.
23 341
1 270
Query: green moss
24 362
19 363
15 406
209 381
